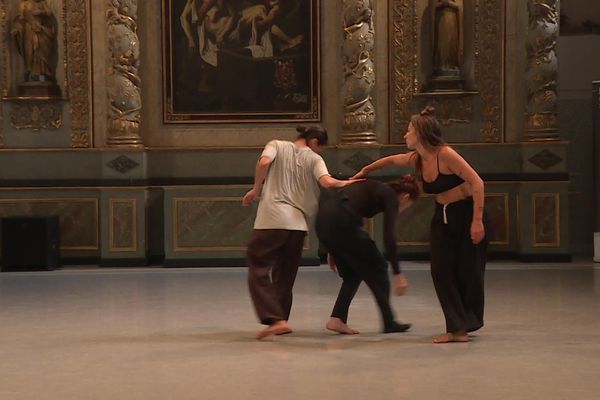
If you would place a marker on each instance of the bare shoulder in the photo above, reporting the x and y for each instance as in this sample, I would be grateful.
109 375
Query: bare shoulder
447 153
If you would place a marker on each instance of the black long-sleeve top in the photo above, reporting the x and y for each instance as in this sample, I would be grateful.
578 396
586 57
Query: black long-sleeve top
367 199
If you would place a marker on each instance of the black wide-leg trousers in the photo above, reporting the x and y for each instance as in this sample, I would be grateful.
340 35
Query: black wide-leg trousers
458 266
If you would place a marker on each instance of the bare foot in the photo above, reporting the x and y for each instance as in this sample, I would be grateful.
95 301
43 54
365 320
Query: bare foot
277 328
337 325
450 337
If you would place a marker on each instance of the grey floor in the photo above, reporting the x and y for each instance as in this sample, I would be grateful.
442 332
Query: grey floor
189 334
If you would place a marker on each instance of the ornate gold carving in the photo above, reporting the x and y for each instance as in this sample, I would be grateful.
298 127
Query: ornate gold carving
490 133
78 71
75 60
359 72
491 69
488 71
36 115
404 58
449 109
124 93
542 114
80 140
541 122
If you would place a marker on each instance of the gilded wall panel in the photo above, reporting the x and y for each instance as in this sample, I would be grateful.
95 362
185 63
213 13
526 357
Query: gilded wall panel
78 218
122 225
469 98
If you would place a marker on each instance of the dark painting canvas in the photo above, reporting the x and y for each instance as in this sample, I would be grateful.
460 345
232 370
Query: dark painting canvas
240 60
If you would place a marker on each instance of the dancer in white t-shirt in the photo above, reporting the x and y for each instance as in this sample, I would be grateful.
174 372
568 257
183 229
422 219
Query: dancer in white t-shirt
292 173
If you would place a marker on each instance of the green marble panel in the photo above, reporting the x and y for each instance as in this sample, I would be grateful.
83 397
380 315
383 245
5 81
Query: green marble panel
496 208
211 223
413 224
546 225
123 225
78 218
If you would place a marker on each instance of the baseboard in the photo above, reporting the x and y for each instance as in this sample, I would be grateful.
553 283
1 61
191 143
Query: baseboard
123 262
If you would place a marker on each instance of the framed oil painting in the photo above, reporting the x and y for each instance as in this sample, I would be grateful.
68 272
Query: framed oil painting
241 61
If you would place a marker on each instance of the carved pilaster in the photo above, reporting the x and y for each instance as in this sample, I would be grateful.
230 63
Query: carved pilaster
542 114
77 85
359 73
124 94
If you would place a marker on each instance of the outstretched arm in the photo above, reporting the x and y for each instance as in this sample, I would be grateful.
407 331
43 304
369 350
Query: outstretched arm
399 160
329 182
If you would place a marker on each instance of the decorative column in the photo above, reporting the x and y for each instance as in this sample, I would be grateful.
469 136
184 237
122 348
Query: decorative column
542 71
359 74
124 93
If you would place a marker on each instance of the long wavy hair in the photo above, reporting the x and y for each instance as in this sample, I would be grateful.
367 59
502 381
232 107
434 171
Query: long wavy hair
429 134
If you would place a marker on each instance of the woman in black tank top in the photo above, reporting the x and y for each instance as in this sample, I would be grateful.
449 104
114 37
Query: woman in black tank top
457 239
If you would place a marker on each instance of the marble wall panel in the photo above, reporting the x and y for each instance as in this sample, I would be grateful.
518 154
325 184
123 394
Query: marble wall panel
78 218
413 225
545 219
122 229
497 209
211 224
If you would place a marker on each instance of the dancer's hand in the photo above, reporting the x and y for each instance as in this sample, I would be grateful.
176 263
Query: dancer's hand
360 174
400 284
477 231
352 180
331 262
251 196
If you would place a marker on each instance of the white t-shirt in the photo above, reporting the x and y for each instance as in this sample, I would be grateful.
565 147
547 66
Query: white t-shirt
290 196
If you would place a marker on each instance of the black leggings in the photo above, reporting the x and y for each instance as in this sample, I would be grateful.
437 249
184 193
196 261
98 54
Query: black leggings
356 256
458 266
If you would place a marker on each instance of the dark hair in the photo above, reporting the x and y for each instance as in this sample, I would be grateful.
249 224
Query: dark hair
313 132
428 131
406 184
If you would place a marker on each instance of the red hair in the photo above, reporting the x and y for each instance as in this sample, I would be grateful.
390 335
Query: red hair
406 184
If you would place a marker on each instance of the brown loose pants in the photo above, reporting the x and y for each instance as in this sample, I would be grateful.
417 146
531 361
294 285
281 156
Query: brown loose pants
272 257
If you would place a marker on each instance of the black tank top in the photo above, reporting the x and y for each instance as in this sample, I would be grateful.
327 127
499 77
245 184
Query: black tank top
443 182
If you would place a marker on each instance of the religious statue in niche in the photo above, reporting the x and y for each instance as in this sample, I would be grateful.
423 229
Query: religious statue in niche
448 44
35 29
